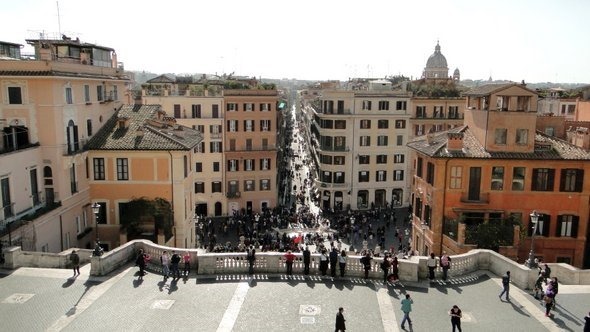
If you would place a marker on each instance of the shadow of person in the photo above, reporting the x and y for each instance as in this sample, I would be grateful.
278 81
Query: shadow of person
137 282
518 308
69 282
161 285
173 286
71 312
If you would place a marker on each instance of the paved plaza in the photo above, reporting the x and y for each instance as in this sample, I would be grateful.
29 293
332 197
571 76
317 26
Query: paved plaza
50 300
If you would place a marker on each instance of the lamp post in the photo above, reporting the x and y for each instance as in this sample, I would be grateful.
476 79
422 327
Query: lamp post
351 233
96 211
424 227
531 260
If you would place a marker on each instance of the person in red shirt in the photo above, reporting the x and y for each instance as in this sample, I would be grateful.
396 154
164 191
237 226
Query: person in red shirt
289 258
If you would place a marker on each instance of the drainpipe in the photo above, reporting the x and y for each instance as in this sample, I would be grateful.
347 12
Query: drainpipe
444 192
61 234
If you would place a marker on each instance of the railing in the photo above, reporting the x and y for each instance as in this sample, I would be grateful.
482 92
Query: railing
12 148
215 135
411 269
76 147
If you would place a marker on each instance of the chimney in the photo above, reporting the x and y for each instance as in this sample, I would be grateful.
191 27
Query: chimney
123 122
455 141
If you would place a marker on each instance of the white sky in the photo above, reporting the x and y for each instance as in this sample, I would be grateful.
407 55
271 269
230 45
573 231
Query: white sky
538 41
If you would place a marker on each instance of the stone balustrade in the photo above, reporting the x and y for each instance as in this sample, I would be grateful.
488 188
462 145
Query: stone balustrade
411 269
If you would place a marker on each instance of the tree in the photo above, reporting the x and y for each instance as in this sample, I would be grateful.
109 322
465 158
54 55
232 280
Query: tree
141 213
492 234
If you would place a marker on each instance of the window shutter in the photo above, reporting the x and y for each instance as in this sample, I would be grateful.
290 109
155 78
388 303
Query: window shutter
535 179
76 140
562 181
558 227
579 180
546 224
575 221
551 180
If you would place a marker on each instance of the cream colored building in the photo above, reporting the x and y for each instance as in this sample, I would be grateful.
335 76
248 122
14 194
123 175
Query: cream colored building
51 103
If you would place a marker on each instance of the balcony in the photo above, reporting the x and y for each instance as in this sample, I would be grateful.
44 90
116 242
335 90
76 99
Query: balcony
215 135
74 147
12 148
334 148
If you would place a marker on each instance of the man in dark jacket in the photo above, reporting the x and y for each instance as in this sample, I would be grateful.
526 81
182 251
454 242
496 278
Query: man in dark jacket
333 261
340 325
306 260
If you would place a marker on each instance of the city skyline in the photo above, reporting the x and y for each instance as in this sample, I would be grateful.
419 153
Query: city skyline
532 41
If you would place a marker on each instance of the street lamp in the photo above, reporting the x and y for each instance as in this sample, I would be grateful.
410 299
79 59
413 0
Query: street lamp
531 260
96 211
351 234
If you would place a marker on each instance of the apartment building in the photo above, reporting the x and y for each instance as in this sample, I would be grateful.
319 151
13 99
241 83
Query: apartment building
141 153
498 166
359 138
250 152
51 103
201 109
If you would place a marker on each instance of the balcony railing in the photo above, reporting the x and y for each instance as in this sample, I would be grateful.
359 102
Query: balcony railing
9 149
75 147
215 135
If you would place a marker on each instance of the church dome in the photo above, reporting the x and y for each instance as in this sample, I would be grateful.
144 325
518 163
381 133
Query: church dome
456 72
436 60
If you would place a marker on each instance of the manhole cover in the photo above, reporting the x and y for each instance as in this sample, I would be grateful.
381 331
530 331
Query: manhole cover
309 309
162 304
307 320
18 298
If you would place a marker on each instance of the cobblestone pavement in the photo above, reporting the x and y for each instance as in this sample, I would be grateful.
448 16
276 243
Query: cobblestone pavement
48 300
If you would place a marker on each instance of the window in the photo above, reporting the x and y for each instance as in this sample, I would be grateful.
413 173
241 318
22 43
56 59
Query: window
382 140
265 184
122 169
328 107
6 201
420 112
72 137
69 97
419 167
382 159
232 126
99 93
327 124
196 111
89 127
364 159
365 140
398 175
542 225
249 125
86 93
214 130
542 179
199 187
177 111
400 124
231 107
215 147
571 180
325 159
567 225
500 135
249 164
327 177
384 105
35 186
401 105
456 177
438 112
232 165
248 144
215 111
115 93
265 107
419 130
400 140
518 174
249 185
365 124
199 167
248 107
340 124
200 128
264 125
453 112
216 166
200 148
338 177
99 171
366 105
265 164
185 165
522 136
73 180
79 228
383 124
233 187
430 173
265 144
381 176
363 176
216 186
15 95
497 178
398 158
232 144
339 143
339 160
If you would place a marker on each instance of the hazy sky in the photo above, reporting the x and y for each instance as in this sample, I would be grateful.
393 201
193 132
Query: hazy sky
537 40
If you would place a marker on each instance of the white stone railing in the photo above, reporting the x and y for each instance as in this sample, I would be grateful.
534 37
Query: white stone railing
411 269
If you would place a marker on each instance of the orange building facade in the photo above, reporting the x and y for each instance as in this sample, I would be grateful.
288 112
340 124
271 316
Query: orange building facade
495 166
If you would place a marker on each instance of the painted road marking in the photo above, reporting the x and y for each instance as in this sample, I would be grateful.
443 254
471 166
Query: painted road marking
233 309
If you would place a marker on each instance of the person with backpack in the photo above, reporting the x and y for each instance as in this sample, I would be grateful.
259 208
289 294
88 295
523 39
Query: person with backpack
445 263
406 309
505 286
75 259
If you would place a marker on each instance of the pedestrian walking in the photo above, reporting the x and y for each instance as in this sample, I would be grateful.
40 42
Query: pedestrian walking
548 299
289 258
141 260
174 262
75 259
456 315
539 285
406 309
165 261
547 273
505 286
186 258
342 262
340 321
431 263
445 263
306 260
